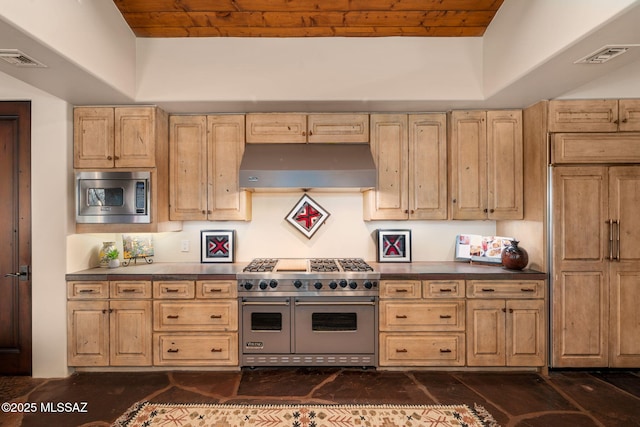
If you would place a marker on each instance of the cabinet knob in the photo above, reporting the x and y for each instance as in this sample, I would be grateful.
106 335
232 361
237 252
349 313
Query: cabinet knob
454 201
491 210
216 350
109 158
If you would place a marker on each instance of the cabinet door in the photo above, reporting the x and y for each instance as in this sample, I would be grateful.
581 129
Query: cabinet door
629 115
591 115
580 304
624 200
525 333
468 161
225 146
625 316
427 166
486 333
93 133
389 146
276 128
134 142
88 333
338 128
130 330
187 168
504 164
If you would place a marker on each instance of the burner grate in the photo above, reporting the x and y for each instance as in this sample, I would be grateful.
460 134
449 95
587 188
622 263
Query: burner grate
354 264
261 265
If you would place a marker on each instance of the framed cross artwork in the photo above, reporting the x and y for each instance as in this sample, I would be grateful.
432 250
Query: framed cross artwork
217 246
394 246
307 216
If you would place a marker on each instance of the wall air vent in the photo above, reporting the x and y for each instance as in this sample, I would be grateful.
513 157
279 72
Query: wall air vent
20 59
604 54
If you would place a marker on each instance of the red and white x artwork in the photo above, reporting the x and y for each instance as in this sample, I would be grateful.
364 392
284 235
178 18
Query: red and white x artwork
394 245
307 216
217 245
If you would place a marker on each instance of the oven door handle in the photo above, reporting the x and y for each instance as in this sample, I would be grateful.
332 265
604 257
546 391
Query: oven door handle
334 303
265 302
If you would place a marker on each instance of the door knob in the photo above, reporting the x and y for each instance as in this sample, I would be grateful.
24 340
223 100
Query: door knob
22 274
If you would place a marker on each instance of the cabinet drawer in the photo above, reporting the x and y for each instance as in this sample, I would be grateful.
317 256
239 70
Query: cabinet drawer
88 290
443 289
422 349
195 316
196 349
505 289
597 115
137 289
400 289
418 316
174 289
216 289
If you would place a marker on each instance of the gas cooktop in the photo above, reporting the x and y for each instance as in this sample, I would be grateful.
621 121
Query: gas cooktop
295 276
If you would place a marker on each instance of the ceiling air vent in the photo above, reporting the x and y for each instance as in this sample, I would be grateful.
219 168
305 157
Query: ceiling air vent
604 54
19 59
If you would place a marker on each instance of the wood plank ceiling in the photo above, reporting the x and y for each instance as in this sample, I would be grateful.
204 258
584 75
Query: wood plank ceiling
308 18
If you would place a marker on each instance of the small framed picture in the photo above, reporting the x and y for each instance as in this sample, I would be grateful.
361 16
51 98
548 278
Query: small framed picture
307 216
394 245
217 246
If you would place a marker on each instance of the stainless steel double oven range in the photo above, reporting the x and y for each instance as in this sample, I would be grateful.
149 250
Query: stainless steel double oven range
308 312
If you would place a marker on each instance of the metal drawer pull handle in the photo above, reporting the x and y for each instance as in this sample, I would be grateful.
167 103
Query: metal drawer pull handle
216 316
171 350
446 290
527 289
610 239
401 350
401 290
216 350
172 316
401 316
215 290
445 316
171 290
488 290
86 291
130 290
445 350
265 303
335 303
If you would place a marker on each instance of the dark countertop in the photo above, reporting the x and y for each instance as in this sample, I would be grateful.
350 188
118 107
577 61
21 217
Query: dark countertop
209 271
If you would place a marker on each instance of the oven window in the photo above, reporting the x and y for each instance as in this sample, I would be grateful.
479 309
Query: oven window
266 321
334 322
105 196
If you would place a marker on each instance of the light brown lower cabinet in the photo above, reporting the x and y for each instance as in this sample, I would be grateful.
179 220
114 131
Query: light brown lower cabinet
455 323
109 332
506 332
186 323
422 323
195 323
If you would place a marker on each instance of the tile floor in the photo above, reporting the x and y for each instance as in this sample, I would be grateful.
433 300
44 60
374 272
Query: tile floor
564 398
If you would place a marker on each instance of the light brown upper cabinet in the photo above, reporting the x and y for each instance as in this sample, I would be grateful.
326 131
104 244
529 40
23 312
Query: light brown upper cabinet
116 137
205 155
486 165
601 115
302 128
410 152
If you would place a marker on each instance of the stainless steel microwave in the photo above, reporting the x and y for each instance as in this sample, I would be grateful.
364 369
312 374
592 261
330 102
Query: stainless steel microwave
113 197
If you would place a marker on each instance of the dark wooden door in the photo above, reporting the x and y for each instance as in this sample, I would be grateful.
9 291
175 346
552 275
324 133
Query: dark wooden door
15 238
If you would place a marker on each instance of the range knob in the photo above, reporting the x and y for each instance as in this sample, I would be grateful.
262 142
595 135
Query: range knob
333 284
317 285
297 284
273 283
263 285
248 285
353 285
343 283
368 284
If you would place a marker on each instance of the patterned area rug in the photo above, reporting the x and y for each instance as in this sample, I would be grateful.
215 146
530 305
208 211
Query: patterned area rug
145 414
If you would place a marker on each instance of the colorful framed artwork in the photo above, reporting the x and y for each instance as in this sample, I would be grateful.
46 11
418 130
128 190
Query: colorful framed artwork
394 246
217 246
307 216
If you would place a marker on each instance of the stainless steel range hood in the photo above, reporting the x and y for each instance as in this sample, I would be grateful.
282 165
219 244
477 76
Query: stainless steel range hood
307 166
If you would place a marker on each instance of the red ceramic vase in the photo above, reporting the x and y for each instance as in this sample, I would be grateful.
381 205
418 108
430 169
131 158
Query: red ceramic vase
514 257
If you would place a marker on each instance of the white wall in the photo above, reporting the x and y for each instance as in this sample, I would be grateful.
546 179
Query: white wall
344 234
51 147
